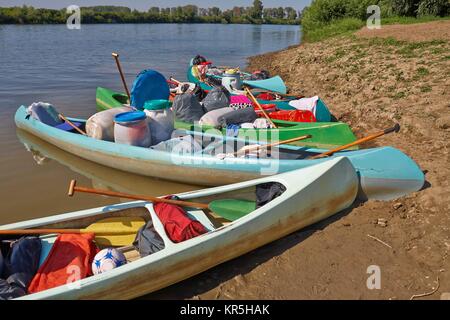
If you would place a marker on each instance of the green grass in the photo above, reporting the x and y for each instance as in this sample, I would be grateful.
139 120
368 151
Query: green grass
426 89
411 20
423 71
347 26
399 95
338 27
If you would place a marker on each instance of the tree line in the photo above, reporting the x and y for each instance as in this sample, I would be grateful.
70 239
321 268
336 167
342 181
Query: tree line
256 14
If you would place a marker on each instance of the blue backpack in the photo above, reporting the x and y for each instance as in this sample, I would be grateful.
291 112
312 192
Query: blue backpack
149 85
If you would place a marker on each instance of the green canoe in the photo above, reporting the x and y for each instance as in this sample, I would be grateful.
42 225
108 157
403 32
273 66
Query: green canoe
325 135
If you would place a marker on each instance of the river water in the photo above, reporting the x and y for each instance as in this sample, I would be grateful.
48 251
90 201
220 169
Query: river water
64 67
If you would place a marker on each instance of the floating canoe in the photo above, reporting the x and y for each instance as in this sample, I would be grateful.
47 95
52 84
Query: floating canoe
312 194
325 135
384 173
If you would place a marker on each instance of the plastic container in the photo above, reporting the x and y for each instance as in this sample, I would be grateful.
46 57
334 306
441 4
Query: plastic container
232 81
101 125
131 128
160 119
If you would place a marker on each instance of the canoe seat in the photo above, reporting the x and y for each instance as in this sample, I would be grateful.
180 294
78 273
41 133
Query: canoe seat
132 255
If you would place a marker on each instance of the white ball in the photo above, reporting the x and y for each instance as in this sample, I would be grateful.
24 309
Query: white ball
107 259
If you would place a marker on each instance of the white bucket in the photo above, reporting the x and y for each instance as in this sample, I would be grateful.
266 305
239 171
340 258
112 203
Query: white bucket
131 128
160 119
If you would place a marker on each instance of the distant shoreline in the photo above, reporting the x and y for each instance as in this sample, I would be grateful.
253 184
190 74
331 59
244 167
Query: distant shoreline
198 22
181 14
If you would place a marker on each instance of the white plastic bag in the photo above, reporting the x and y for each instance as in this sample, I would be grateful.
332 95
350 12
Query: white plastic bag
101 125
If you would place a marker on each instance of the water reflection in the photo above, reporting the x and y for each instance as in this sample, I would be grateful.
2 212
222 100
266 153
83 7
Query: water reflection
101 177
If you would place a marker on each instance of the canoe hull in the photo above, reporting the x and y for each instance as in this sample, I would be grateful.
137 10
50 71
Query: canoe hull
384 173
323 192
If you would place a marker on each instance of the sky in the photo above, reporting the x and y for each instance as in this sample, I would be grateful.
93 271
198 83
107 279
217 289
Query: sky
146 4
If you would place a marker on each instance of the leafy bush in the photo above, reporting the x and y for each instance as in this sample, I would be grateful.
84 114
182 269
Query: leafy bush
405 7
434 8
323 17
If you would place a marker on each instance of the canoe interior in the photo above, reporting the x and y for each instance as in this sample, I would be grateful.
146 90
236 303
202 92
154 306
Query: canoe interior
140 209
212 145
121 98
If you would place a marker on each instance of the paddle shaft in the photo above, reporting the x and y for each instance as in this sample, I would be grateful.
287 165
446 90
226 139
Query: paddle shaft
174 80
252 97
116 57
275 144
73 188
71 124
395 128
60 231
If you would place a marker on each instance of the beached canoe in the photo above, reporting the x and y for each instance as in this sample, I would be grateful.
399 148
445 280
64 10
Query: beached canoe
325 135
107 99
281 101
274 84
312 194
384 173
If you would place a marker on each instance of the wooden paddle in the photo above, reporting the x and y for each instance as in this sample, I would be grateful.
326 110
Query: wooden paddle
71 124
395 129
174 80
116 57
252 97
229 209
265 146
115 231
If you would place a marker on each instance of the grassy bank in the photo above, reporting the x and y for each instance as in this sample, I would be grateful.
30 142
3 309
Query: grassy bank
347 26
327 18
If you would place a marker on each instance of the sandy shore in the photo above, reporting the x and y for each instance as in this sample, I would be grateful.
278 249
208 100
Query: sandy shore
370 80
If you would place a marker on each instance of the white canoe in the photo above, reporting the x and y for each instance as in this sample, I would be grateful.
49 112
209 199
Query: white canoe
312 194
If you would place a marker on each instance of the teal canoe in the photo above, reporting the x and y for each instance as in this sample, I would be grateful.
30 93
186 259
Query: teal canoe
384 173
322 191
325 135
273 84
322 113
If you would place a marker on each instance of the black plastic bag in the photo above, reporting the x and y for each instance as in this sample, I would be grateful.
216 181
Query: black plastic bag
217 98
187 108
198 60
267 192
20 267
147 240
260 75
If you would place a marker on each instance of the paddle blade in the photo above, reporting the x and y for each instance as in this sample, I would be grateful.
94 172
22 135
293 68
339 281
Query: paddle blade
116 231
275 84
232 209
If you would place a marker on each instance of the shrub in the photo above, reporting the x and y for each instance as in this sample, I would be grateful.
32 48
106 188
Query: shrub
405 7
434 8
